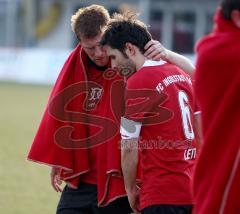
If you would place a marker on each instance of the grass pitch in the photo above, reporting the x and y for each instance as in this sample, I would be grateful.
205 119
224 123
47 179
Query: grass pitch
24 186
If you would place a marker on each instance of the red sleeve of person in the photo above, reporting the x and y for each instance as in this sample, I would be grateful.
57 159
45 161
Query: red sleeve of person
218 90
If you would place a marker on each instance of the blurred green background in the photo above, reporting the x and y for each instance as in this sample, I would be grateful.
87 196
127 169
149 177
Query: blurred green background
24 186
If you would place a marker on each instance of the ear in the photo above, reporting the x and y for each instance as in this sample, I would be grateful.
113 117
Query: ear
235 16
106 48
130 49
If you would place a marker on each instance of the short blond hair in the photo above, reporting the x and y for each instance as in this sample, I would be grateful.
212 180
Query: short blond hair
89 21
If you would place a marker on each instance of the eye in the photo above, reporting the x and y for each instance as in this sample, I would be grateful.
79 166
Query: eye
90 48
113 57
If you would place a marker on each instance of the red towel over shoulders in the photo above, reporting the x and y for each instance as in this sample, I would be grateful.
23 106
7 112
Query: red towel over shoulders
61 139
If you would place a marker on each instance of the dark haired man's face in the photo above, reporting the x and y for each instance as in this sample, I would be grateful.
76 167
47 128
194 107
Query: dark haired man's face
94 50
125 65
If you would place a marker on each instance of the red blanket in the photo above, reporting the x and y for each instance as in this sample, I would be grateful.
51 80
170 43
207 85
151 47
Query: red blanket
217 176
61 140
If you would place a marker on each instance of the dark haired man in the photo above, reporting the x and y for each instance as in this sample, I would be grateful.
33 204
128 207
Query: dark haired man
217 175
78 136
158 122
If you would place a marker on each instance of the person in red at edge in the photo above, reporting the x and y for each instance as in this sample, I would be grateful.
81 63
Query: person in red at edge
158 120
217 175
78 135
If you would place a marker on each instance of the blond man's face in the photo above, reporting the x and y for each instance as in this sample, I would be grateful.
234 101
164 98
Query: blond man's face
94 50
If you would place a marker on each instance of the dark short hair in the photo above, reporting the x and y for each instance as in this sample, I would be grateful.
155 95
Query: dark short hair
89 21
124 28
227 6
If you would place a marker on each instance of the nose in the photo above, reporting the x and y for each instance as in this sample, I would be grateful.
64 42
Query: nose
99 51
113 63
